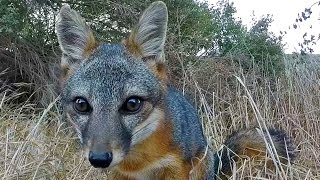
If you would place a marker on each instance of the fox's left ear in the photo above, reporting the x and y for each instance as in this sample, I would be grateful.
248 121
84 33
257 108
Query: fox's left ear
148 36
147 39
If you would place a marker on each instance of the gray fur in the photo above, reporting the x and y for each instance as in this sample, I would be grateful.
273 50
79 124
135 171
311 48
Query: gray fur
110 75
187 128
106 80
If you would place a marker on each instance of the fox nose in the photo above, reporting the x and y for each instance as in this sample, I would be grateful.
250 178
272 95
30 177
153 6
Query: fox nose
100 159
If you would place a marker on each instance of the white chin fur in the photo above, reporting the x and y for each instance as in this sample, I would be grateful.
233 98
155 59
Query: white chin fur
117 158
145 129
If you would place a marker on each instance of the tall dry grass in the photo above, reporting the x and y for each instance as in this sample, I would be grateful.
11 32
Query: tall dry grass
36 144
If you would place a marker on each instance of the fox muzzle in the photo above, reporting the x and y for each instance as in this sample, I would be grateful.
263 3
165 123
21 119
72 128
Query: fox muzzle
100 159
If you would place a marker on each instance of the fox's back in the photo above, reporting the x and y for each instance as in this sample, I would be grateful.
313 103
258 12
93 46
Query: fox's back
187 130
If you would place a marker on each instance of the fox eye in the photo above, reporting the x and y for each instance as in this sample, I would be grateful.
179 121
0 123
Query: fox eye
81 105
132 105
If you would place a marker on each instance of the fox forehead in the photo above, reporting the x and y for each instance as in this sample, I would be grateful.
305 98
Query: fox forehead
111 71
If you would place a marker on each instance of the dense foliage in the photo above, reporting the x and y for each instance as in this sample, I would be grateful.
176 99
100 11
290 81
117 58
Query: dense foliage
196 30
193 26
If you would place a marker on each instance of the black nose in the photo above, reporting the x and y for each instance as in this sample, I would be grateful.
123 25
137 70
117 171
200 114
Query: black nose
100 159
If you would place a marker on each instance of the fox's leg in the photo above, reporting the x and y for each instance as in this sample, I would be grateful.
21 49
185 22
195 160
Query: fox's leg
185 170
165 174
115 175
173 173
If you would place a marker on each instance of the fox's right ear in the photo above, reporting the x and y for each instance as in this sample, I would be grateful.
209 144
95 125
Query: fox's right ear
75 38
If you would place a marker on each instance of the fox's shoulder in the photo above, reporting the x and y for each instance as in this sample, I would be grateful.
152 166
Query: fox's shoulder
179 108
187 129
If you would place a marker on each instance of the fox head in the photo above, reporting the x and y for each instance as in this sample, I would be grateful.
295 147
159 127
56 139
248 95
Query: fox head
113 94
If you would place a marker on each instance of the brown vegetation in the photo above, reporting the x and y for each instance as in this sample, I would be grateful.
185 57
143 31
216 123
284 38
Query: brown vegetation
35 143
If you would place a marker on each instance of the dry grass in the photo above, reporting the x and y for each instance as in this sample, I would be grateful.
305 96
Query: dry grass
37 144
25 71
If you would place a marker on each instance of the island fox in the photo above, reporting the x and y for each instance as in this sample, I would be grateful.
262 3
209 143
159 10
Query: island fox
129 120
